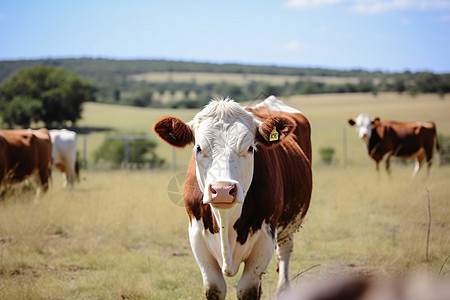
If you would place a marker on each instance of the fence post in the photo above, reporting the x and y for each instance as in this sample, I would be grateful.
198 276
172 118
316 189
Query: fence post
126 139
85 151
345 145
127 151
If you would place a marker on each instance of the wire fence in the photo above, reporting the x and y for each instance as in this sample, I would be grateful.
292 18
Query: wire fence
121 151
138 151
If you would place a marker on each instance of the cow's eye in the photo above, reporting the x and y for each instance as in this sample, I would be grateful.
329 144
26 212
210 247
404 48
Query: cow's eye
198 149
251 149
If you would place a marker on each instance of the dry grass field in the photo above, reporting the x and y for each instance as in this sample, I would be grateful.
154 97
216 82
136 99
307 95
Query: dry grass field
118 235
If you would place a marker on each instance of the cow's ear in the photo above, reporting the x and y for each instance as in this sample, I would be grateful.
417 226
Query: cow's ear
273 130
174 131
351 122
376 121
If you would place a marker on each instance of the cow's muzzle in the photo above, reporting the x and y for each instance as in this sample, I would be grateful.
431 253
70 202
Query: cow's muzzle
222 193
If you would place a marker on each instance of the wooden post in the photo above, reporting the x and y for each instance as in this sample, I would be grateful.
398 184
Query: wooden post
127 151
85 152
344 142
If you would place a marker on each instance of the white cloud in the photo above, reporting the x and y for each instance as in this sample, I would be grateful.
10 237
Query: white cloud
434 4
297 45
371 6
309 3
374 6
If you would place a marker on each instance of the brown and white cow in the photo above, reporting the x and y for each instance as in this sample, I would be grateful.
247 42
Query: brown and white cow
25 153
247 189
405 140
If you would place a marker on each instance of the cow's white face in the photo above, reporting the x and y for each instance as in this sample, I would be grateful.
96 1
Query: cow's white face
224 136
363 124
224 152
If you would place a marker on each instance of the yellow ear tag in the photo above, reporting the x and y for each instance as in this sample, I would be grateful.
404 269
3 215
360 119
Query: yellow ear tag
273 135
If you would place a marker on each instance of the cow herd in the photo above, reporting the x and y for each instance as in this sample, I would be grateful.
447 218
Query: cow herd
249 181
27 153
248 184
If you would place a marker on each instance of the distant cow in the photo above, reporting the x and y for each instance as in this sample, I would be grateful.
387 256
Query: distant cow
25 153
404 140
64 155
247 189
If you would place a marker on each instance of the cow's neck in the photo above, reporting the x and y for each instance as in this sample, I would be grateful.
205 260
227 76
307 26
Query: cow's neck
226 219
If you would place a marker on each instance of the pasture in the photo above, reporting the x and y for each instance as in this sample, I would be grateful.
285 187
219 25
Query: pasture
118 235
236 78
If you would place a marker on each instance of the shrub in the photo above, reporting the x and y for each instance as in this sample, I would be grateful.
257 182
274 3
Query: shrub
139 153
326 155
444 152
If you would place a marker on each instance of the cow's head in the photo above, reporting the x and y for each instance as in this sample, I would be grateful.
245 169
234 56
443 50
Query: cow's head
364 125
225 138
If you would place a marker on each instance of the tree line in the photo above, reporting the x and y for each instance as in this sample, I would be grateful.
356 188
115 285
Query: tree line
407 82
53 90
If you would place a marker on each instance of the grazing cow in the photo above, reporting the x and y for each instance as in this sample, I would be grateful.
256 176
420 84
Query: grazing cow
247 190
64 155
25 153
404 140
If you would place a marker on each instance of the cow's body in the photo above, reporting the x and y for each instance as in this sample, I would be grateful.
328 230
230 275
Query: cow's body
64 155
224 234
407 140
25 153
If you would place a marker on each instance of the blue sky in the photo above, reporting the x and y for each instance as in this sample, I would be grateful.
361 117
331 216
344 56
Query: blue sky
386 35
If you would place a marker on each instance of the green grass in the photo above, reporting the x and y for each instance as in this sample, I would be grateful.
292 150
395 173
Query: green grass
117 235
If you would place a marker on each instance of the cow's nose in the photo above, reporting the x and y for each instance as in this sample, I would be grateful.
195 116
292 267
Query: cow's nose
222 192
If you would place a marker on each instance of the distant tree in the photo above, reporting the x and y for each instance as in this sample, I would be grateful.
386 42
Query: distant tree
400 83
43 93
142 98
116 95
268 89
427 82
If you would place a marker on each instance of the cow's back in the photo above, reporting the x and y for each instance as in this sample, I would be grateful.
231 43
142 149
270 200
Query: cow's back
403 139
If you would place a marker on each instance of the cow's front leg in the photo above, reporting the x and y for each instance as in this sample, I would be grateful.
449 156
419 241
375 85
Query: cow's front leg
388 164
249 286
377 167
213 281
418 165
